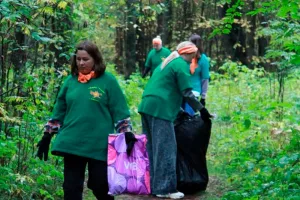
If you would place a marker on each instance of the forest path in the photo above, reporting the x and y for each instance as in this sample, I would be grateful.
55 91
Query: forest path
214 191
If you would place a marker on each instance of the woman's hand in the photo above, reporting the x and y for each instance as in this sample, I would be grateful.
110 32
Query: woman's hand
202 101
205 115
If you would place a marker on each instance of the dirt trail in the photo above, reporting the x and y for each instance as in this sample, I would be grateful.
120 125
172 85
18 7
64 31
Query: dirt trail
214 191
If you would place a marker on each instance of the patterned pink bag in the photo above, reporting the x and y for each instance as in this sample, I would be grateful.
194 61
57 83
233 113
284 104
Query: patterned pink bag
128 174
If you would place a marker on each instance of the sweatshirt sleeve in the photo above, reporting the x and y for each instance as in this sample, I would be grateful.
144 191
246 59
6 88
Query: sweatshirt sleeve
204 64
148 63
117 103
60 106
204 85
190 98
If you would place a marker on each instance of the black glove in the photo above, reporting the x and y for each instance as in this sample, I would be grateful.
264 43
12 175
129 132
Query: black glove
205 115
202 101
43 146
190 98
130 141
146 70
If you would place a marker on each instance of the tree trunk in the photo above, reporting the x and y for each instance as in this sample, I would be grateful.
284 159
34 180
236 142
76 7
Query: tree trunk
60 27
119 59
236 38
130 40
140 52
262 41
250 48
18 56
164 23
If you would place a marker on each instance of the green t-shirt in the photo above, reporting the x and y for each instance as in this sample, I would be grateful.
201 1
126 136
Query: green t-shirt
162 96
154 58
88 112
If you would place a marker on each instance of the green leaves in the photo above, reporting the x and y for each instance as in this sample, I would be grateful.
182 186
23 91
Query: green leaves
284 31
247 123
226 31
226 23
37 37
62 4
255 150
295 60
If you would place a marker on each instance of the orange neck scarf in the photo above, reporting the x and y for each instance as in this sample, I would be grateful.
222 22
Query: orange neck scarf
193 65
84 78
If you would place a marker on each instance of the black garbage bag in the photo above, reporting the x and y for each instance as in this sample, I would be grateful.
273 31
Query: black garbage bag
192 136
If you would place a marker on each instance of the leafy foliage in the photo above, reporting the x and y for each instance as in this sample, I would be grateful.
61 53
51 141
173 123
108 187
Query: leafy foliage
252 147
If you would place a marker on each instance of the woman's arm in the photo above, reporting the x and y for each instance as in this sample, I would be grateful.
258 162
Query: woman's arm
60 106
204 88
204 64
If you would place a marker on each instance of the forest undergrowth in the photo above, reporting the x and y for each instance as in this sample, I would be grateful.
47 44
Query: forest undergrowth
253 151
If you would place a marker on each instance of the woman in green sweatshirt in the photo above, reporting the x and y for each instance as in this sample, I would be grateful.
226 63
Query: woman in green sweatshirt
161 101
89 106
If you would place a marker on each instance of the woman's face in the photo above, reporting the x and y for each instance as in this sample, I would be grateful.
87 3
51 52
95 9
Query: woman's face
84 61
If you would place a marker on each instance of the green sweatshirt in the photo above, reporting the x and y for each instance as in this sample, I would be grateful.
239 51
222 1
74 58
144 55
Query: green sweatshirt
154 58
88 112
162 96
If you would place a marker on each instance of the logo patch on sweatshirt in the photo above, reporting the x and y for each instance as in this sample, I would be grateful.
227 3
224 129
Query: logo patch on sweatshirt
96 93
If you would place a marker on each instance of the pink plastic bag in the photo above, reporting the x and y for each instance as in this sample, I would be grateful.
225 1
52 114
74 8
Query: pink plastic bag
128 174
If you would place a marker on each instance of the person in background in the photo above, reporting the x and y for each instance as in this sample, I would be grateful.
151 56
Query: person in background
155 56
199 69
161 101
90 105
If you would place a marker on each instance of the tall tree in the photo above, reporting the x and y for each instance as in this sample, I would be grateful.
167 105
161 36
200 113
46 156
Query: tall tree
130 37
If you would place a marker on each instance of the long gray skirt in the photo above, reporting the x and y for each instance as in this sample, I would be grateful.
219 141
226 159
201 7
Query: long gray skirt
162 151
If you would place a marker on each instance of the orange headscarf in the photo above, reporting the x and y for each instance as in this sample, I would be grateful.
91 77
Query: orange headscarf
190 49
84 78
187 49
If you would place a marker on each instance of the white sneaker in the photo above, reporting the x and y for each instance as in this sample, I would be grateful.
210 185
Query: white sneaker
176 195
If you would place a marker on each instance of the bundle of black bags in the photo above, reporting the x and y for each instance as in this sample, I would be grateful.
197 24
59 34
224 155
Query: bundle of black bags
192 136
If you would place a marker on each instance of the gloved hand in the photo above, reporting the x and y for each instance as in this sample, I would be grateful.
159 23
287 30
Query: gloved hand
202 101
146 70
50 129
130 141
123 126
205 115
52 126
43 146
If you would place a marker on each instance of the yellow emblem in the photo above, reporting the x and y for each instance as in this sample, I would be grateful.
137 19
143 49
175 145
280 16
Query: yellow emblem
95 94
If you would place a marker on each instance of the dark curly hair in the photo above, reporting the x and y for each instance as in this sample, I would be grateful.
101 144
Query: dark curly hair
94 52
197 40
